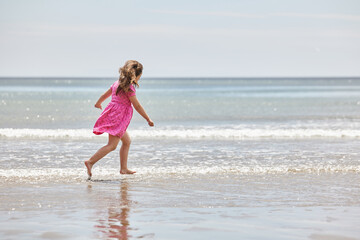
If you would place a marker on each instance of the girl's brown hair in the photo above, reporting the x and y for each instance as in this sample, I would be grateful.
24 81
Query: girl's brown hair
128 74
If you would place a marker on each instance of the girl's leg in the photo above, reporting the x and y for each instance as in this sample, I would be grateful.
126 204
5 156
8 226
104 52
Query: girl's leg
124 152
111 146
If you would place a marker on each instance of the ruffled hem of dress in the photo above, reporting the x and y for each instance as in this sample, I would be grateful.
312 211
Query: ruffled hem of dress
101 132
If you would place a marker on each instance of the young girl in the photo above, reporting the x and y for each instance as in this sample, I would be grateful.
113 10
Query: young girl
117 115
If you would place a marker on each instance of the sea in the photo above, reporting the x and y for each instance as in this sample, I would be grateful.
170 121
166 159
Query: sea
229 158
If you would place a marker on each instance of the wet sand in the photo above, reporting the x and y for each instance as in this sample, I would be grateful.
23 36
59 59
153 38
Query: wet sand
123 208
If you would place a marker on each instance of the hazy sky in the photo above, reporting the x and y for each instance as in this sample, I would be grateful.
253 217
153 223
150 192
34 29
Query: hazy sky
231 38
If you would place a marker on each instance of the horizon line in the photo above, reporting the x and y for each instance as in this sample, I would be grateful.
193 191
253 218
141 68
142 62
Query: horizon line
162 77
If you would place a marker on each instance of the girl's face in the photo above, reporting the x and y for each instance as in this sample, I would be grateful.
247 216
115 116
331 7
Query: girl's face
138 78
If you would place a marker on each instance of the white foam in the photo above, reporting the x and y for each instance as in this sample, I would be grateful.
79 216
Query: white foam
45 133
188 133
79 174
247 133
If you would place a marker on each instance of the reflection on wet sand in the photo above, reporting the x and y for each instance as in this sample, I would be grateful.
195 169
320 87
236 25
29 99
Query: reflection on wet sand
113 223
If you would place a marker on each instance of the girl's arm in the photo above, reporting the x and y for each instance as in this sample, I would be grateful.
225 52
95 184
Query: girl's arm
102 98
140 110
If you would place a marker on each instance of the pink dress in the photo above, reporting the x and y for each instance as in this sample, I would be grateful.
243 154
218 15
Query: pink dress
116 117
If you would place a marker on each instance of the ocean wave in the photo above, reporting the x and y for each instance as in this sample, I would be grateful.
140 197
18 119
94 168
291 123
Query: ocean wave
79 174
220 133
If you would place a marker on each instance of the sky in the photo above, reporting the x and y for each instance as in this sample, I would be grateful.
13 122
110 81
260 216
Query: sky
198 38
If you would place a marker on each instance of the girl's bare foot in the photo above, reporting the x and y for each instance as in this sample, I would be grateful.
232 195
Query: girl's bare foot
89 167
126 171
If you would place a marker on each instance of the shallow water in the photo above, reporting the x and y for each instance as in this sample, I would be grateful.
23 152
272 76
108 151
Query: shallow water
257 189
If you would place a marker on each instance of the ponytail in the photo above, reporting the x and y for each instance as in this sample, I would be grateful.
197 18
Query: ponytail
128 74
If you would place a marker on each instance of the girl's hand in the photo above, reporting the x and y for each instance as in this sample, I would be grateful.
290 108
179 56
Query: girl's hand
97 105
151 123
